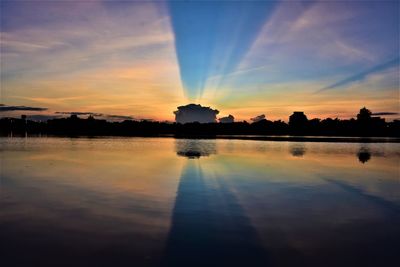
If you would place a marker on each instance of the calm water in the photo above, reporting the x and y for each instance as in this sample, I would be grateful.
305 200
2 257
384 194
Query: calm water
169 202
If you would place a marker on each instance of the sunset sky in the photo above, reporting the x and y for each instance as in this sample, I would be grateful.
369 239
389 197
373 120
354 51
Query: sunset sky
143 59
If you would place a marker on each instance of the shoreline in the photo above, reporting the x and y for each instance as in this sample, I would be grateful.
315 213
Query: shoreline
272 138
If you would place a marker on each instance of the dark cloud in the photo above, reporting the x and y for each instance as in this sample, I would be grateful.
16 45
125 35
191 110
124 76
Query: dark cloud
195 113
4 108
38 117
79 113
118 117
258 118
98 115
228 119
385 113
35 117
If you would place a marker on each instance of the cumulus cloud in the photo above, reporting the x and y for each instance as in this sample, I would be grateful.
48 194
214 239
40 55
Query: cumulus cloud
195 113
4 108
258 118
228 119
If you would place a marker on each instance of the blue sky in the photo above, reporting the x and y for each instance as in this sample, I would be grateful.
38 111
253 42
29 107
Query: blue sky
142 59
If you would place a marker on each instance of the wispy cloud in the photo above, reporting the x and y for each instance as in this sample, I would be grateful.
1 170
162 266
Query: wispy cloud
385 113
98 115
115 58
362 75
4 108
78 113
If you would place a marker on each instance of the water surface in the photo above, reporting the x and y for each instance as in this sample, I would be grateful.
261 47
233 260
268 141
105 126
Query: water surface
183 202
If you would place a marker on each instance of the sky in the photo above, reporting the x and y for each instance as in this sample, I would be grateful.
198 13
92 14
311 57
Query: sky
142 59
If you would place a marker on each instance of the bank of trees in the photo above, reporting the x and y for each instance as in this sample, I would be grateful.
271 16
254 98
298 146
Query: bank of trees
363 125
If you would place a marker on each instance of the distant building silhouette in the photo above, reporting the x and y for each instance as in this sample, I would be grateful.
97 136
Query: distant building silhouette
195 120
195 113
228 119
364 115
74 117
258 118
298 121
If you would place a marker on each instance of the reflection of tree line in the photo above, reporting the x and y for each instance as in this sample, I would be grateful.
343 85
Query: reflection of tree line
193 148
299 125
299 150
364 155
209 226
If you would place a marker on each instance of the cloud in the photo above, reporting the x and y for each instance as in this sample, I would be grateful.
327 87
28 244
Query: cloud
4 108
120 117
109 117
385 113
91 56
228 119
362 75
195 113
37 117
258 118
78 113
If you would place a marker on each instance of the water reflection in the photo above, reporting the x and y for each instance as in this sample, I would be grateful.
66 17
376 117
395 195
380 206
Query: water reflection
209 226
297 149
195 148
168 202
364 154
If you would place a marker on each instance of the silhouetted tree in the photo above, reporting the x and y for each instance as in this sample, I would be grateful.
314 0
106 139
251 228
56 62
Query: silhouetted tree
74 117
364 115
298 122
364 125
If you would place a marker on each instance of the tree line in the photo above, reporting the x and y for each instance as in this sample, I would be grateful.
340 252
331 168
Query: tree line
299 125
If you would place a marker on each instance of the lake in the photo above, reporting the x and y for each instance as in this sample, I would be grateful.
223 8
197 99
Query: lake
186 202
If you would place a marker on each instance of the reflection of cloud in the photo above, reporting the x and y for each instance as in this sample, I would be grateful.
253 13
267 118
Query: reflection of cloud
297 149
195 113
4 108
195 148
391 207
258 118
